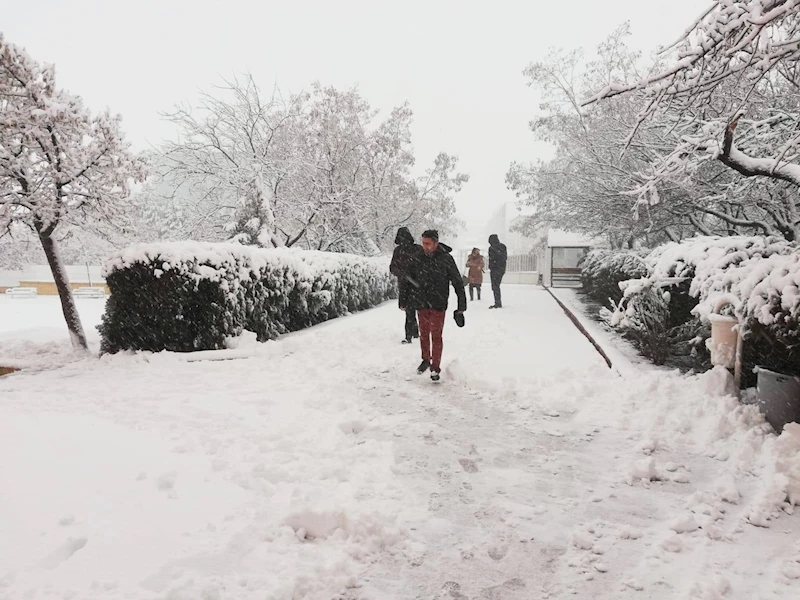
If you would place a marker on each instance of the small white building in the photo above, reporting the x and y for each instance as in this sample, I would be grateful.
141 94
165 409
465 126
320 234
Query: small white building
560 257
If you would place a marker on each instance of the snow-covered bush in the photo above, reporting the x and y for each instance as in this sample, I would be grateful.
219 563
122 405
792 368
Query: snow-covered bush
765 293
193 296
603 270
702 262
643 314
757 274
691 271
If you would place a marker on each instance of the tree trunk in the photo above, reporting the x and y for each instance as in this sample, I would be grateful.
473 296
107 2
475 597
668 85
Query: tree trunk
64 291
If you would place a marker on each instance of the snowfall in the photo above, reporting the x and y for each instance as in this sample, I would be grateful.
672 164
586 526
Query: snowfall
321 466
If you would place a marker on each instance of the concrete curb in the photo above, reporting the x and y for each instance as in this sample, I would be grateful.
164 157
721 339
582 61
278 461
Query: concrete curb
582 329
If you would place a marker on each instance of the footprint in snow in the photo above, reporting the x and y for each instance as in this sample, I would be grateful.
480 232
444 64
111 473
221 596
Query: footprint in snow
498 552
501 592
451 591
466 497
470 466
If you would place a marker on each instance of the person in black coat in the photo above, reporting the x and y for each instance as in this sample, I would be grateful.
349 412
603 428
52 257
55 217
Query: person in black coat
498 257
403 253
430 275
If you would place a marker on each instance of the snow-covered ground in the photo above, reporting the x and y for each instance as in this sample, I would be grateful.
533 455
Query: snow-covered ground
322 467
33 332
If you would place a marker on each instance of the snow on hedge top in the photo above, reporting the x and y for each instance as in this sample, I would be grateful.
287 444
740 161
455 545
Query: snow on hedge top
211 261
706 259
765 289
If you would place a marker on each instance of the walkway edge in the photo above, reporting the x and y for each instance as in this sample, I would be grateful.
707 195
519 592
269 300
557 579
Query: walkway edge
576 321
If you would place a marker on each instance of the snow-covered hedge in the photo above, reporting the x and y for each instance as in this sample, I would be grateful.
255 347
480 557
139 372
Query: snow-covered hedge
603 270
194 296
758 275
765 294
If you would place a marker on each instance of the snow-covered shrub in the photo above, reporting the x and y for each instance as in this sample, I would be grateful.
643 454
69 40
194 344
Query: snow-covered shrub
192 296
698 267
603 270
642 315
754 272
765 293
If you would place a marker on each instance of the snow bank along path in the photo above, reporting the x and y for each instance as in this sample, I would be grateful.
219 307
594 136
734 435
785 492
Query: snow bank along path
323 467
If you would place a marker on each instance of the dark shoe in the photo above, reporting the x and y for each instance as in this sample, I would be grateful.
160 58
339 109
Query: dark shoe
406 341
423 366
493 306
435 375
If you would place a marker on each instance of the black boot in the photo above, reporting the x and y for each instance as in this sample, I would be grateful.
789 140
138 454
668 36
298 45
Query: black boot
423 366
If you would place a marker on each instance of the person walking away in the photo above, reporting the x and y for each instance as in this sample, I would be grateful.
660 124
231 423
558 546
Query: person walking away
498 257
403 253
475 266
430 275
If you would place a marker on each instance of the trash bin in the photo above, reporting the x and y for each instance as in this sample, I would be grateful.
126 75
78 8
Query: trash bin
778 397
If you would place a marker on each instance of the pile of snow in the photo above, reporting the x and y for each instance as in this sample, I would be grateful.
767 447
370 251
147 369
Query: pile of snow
700 412
198 296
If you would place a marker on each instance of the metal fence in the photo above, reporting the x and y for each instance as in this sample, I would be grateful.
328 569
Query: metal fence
521 263
517 263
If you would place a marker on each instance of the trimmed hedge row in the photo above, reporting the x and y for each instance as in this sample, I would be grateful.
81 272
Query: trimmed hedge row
186 296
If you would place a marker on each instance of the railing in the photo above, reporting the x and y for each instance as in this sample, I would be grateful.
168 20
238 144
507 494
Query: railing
522 263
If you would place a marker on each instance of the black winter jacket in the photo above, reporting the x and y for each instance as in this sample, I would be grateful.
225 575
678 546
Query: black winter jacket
401 256
429 280
406 249
498 255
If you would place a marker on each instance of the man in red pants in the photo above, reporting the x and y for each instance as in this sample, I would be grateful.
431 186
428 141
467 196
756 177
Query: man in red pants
430 275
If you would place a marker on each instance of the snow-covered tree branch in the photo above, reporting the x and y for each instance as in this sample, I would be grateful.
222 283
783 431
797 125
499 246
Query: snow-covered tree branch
731 94
313 169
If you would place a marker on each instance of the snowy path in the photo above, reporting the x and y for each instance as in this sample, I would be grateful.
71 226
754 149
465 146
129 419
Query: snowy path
325 468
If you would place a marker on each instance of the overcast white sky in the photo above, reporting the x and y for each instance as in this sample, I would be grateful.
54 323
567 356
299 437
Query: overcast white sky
459 63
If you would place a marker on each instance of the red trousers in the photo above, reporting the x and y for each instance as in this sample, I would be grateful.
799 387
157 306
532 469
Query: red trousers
431 324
